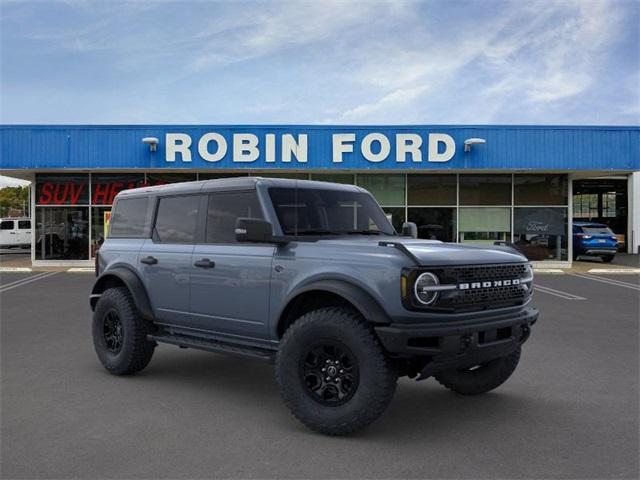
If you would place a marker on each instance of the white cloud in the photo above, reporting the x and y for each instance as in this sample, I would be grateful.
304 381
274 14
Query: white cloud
399 98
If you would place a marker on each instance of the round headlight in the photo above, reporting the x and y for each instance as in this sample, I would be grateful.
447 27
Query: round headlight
423 288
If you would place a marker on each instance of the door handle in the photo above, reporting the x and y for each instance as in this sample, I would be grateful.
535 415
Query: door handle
149 260
204 263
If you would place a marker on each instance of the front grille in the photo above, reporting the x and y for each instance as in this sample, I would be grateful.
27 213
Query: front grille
486 272
482 298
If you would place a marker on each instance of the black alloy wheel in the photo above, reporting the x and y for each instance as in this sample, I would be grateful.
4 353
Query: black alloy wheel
112 332
330 373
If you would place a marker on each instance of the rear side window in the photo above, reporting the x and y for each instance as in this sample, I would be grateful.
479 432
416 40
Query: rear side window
6 225
225 209
129 218
24 224
177 219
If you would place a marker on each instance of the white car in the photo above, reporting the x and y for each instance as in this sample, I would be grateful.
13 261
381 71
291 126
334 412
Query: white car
15 232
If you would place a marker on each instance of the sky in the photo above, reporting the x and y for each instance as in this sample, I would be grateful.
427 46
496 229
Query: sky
320 62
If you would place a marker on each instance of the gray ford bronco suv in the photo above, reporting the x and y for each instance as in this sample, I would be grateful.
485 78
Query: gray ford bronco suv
313 277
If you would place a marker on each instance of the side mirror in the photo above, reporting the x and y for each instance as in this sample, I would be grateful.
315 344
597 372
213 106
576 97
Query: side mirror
253 230
409 229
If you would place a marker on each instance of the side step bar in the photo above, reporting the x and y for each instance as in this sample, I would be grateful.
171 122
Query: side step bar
184 341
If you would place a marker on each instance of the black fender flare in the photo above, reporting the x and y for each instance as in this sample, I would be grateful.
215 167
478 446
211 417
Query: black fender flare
132 281
358 297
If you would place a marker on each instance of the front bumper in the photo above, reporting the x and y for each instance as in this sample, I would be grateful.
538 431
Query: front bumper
449 345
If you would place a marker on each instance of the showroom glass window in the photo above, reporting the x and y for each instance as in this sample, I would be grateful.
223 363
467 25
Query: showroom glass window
345 178
482 217
104 187
389 191
164 178
431 205
545 189
62 217
539 230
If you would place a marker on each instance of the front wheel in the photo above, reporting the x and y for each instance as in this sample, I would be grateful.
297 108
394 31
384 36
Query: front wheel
333 373
607 258
480 378
120 333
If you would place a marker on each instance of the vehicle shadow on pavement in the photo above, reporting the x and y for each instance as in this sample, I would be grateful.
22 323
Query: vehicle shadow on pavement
418 409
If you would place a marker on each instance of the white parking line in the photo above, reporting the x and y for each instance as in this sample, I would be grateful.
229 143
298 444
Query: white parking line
614 270
24 281
615 283
21 280
557 293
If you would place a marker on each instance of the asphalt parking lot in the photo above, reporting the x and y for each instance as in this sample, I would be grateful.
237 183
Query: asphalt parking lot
569 411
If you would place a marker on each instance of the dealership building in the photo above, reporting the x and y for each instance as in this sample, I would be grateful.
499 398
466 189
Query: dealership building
471 184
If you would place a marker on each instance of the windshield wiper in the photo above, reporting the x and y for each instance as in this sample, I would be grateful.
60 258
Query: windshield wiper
364 232
313 231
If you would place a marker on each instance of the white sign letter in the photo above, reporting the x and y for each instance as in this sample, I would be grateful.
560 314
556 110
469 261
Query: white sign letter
385 147
408 143
339 147
299 148
434 143
245 147
270 148
203 147
177 143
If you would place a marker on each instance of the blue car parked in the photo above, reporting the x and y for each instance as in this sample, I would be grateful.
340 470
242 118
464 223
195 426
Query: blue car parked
594 239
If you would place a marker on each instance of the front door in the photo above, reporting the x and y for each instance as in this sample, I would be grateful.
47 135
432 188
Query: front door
8 234
230 281
165 259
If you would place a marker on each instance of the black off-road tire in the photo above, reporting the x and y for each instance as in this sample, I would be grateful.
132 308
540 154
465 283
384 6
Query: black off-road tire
376 376
481 379
135 350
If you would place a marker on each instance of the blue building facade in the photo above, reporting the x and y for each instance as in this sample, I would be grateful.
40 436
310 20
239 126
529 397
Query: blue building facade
480 184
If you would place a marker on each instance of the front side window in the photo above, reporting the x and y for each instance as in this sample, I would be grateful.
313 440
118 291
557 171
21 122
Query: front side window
225 209
129 218
328 212
6 225
177 219
24 224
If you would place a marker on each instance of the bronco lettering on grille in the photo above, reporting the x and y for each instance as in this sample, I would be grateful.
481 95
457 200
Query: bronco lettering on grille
488 284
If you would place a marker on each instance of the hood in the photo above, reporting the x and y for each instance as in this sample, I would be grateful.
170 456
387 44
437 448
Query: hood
433 252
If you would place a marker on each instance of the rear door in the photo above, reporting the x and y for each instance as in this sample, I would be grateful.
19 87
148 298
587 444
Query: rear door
230 281
165 258
24 232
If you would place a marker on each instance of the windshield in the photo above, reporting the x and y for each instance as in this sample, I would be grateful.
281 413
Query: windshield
328 212
596 230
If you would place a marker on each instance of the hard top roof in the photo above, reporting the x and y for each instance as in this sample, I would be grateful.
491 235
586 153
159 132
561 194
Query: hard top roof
589 224
235 183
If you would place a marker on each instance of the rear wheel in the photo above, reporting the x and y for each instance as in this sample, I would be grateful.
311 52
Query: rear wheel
480 378
333 373
607 258
120 333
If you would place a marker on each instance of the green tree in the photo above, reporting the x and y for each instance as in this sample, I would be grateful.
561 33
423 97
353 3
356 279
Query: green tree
14 201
